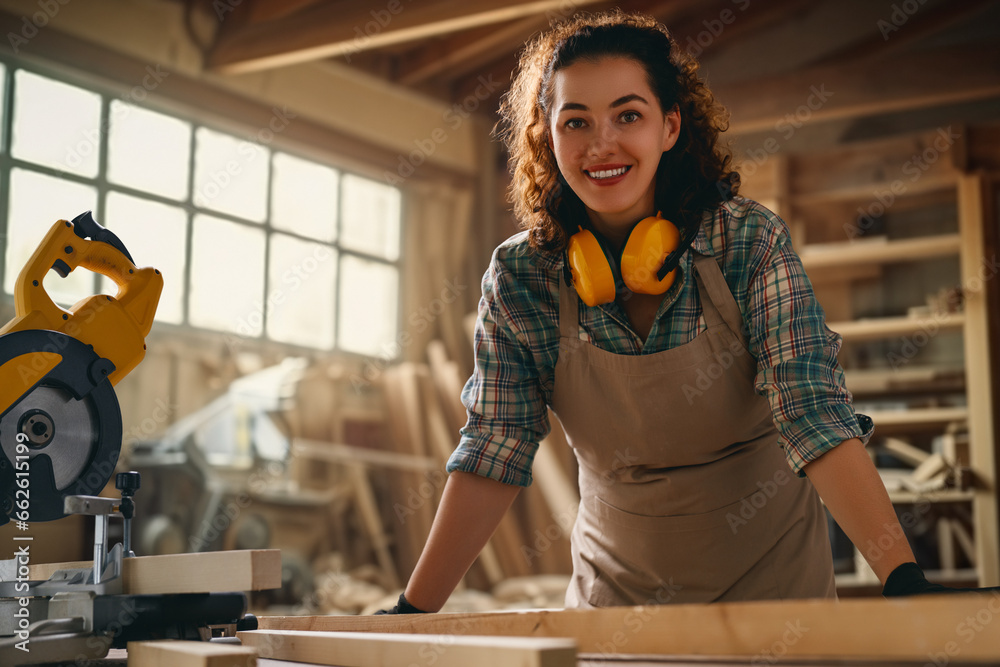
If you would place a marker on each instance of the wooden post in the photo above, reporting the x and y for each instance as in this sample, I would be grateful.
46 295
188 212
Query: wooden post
982 437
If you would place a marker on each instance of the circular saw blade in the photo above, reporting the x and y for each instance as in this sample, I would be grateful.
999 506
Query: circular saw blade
68 423
55 424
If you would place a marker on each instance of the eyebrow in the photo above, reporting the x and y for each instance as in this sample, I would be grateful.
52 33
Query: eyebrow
624 99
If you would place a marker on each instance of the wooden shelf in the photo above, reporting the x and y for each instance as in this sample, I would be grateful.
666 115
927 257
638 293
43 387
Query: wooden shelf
879 250
919 418
867 192
889 327
941 496
905 380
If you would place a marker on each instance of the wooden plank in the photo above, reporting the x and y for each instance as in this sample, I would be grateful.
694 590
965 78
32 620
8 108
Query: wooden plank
887 327
362 649
882 250
344 28
919 416
976 276
862 629
906 452
211 572
171 653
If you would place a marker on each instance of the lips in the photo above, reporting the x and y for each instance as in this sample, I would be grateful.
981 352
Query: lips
605 172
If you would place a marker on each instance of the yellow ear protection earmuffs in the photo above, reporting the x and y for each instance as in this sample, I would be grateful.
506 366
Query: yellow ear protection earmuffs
648 260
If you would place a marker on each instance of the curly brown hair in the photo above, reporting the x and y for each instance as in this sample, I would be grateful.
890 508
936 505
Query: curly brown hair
693 176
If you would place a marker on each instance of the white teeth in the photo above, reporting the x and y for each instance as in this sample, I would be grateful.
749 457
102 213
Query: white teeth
608 173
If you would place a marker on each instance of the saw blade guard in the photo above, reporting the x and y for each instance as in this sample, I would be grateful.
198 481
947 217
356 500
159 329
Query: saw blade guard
116 326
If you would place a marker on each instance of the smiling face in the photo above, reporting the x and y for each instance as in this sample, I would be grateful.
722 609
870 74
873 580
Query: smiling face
607 132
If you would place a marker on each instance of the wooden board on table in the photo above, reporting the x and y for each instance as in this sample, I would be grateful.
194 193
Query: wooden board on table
171 653
943 626
363 649
211 572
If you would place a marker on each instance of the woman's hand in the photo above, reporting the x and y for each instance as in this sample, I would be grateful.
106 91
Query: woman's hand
909 579
402 607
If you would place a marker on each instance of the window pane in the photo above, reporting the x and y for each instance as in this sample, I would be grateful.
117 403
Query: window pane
230 175
56 124
155 235
304 197
368 306
148 151
227 276
36 202
371 217
300 299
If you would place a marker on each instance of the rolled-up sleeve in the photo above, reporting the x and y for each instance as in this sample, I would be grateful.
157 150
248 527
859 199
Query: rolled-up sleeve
507 415
797 367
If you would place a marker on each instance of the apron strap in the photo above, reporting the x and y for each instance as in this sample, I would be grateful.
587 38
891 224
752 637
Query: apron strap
569 309
719 306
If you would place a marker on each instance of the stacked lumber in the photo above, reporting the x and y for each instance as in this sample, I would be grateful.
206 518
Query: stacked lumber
425 416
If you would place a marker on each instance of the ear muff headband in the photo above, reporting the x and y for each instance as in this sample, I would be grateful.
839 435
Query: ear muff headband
648 260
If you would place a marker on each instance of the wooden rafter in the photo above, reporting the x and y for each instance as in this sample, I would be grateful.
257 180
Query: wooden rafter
921 26
343 28
936 78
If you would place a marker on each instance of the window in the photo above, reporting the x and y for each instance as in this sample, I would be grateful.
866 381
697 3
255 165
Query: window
253 241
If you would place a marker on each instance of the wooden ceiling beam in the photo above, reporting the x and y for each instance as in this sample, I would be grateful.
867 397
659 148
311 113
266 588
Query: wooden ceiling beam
342 28
466 52
900 83
501 59
756 19
924 24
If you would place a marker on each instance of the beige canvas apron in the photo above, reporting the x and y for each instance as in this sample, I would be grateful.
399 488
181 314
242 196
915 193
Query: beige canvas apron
686 494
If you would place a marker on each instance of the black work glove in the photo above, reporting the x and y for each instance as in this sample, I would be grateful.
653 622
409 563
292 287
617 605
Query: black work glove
402 607
909 579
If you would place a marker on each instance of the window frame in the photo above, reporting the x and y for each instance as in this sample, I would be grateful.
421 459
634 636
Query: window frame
186 111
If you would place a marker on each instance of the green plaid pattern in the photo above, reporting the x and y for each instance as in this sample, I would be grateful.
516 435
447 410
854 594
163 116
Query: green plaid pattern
517 343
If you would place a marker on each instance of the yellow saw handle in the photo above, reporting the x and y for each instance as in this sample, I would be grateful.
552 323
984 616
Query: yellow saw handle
116 326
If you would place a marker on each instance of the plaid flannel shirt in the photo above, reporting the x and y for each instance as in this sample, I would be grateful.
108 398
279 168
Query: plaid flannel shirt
517 343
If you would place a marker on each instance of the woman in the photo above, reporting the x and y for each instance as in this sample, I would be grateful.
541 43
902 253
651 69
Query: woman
705 405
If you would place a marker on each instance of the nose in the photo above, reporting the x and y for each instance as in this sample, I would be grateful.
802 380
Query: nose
603 140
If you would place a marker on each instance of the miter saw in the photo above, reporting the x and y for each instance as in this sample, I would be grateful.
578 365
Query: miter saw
60 437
